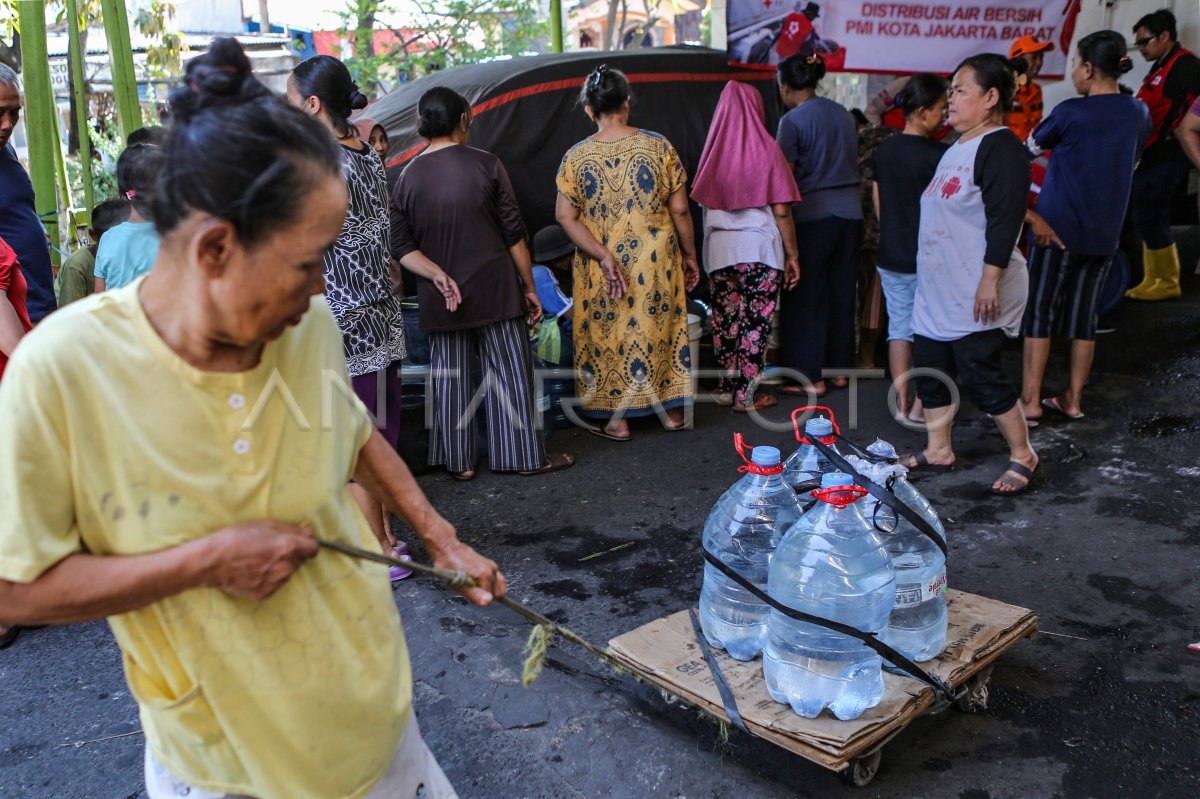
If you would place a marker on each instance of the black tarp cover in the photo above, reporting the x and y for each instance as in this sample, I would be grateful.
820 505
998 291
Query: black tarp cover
526 110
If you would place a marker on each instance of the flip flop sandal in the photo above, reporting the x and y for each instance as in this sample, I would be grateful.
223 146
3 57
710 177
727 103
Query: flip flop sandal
1017 488
723 398
761 404
1052 403
800 391
602 433
463 477
921 464
554 463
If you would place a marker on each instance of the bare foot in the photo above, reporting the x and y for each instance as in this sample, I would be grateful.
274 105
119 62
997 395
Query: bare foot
676 419
1031 410
838 382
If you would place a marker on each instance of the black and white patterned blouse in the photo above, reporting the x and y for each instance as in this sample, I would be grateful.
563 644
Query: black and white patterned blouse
358 287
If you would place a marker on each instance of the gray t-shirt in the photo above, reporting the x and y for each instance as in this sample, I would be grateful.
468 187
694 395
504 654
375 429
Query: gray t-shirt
820 139
971 215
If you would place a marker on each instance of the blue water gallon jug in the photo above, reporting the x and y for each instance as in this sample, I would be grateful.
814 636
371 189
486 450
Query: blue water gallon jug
917 626
834 565
742 531
804 467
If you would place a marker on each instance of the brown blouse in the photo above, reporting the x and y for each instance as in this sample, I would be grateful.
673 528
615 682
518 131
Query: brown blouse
457 207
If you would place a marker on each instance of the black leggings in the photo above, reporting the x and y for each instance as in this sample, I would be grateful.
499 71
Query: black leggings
975 360
816 319
1154 184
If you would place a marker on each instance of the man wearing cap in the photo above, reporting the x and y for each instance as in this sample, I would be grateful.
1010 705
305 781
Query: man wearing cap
1168 90
1027 103
799 34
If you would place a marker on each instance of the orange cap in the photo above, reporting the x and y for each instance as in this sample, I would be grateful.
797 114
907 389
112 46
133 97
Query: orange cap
1026 45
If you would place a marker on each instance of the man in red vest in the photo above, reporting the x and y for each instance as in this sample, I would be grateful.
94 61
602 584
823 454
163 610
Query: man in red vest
1171 87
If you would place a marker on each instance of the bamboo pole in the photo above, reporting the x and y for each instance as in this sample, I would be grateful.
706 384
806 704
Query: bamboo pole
40 125
64 182
120 55
556 25
79 89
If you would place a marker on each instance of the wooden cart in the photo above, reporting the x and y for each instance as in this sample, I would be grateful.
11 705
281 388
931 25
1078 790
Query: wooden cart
665 653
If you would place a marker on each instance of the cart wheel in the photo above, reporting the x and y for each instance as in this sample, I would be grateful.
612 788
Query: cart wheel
974 697
861 770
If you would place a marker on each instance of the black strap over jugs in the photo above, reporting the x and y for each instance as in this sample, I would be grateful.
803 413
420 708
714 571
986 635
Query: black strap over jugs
883 495
872 642
802 436
880 493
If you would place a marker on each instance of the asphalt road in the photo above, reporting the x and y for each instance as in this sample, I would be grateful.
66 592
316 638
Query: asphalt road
1105 703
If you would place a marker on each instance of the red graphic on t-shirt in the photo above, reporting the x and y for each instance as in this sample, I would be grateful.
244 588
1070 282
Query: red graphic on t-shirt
950 188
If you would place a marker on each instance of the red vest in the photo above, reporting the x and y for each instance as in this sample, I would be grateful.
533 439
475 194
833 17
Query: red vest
1159 104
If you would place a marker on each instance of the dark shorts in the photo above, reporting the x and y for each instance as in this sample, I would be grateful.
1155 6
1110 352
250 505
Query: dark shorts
381 392
1064 293
975 361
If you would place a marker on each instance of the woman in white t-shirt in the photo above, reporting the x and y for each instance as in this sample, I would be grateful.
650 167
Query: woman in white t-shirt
971 282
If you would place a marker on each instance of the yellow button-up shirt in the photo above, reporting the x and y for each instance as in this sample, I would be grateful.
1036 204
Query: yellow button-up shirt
113 445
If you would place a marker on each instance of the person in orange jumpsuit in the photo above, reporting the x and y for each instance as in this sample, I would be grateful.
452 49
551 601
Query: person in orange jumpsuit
1027 104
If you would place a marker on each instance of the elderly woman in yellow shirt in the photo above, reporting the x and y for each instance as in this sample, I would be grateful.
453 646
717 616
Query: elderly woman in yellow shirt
183 444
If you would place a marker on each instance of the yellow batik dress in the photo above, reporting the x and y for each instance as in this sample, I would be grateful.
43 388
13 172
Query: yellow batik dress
631 353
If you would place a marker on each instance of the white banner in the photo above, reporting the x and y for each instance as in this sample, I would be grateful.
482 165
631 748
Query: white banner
895 37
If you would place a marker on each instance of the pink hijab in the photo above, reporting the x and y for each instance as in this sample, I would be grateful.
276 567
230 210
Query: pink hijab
365 125
742 166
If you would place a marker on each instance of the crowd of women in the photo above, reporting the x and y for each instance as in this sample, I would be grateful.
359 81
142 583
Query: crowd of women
276 266
950 216
783 223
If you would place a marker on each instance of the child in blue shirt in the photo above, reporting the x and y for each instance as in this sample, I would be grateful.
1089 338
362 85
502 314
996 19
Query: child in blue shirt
129 250
554 252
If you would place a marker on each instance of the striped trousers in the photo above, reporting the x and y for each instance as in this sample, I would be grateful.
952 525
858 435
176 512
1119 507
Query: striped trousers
1064 293
490 366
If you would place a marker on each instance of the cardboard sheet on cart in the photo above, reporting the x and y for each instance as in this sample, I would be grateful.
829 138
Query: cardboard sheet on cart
665 651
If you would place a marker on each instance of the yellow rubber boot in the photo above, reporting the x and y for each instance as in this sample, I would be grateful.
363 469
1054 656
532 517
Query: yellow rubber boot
1165 268
1148 275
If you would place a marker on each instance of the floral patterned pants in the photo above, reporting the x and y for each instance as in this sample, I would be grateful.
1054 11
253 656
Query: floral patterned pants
743 301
